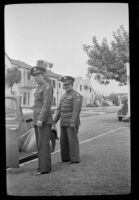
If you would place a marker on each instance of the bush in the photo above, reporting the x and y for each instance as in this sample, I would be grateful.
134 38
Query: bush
105 104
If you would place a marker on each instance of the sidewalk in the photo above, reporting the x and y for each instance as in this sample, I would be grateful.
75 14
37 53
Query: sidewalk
92 111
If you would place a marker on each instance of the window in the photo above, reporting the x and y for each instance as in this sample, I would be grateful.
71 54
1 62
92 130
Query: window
28 75
59 85
86 87
21 78
53 84
54 101
90 89
20 96
20 100
80 87
24 98
28 99
24 76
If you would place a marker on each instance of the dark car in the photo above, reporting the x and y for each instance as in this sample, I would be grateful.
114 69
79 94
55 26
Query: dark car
19 132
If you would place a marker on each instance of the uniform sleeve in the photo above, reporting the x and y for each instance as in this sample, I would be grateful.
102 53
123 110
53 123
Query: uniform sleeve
58 112
47 100
77 105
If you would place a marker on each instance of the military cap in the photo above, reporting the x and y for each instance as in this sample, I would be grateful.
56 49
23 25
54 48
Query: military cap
67 79
36 70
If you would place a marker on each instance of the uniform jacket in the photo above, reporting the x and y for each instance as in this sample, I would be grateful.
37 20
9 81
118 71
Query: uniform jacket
69 109
42 103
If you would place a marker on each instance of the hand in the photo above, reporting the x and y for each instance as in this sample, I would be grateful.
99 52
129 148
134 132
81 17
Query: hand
32 124
54 125
72 125
39 123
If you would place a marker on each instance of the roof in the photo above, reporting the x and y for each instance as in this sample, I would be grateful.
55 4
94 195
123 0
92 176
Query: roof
78 79
20 64
26 66
7 56
52 74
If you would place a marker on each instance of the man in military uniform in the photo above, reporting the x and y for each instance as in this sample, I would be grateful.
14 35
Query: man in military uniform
68 112
42 120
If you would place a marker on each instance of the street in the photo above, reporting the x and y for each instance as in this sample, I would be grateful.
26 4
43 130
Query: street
104 166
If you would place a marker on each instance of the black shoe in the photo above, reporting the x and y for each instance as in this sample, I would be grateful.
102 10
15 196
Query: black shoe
62 161
74 162
39 173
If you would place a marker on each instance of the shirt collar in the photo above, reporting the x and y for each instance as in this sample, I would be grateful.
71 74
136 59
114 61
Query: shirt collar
42 83
69 92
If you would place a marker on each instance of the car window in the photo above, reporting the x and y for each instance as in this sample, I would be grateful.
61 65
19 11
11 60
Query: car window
10 105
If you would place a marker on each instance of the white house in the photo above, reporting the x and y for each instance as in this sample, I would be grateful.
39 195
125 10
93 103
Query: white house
27 86
57 87
85 88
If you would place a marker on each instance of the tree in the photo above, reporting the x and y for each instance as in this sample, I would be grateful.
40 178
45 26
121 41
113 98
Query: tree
13 76
108 61
98 98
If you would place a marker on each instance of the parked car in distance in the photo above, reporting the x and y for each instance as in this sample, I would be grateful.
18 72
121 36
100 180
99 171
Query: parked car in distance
123 112
109 103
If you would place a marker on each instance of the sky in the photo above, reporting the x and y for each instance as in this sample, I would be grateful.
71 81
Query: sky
56 32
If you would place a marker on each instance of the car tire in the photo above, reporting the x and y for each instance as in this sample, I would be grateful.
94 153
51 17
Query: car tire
52 142
120 118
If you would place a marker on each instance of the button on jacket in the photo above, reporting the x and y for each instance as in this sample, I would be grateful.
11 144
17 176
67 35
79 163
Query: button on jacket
69 109
42 104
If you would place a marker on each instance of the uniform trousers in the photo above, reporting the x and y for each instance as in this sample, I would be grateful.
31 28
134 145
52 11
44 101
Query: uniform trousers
43 147
69 144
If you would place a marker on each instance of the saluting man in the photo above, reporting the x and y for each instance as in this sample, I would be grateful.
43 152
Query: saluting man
42 120
68 112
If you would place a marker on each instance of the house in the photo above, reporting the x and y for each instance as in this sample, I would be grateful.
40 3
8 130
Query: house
84 87
26 85
57 87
